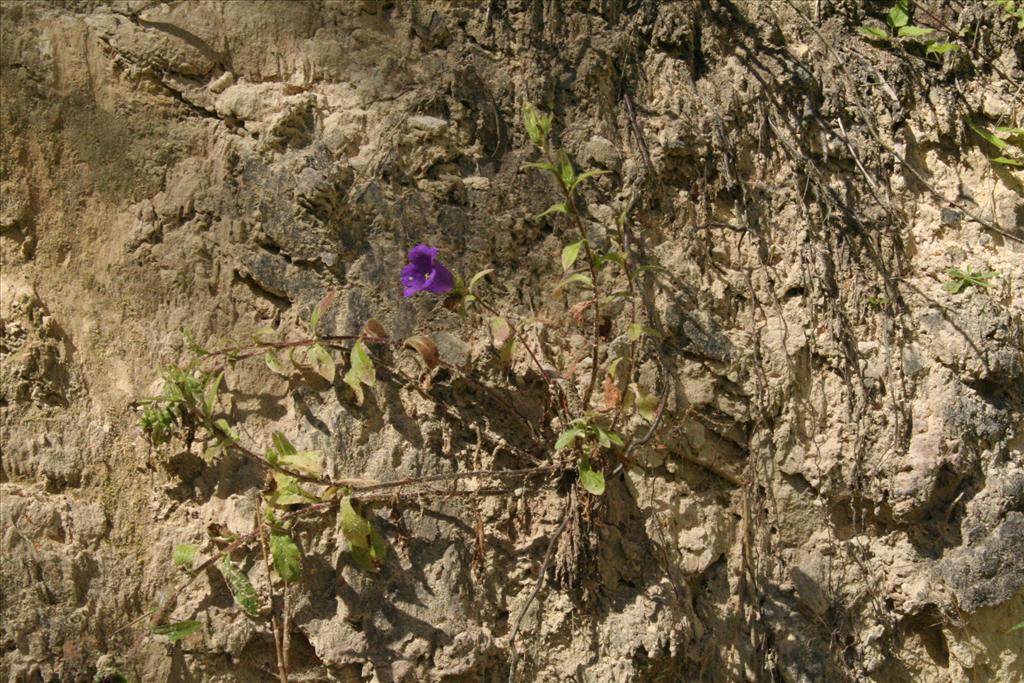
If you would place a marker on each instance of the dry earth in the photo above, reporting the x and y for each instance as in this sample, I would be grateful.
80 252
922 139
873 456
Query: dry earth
836 491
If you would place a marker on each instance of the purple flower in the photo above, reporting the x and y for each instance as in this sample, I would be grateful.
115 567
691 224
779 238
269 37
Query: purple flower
425 273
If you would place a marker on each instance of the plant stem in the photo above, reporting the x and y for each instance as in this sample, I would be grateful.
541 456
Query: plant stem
570 202
282 668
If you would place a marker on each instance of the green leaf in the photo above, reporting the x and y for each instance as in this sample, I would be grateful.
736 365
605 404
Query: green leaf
229 434
537 125
560 207
611 257
241 587
500 331
361 371
185 555
953 286
646 403
591 480
615 439
378 548
354 527
987 136
286 557
1018 627
937 48
372 555
1009 130
1007 161
306 462
319 310
210 397
479 276
913 31
576 277
543 166
567 437
873 32
274 363
899 14
637 330
585 176
355 385
260 336
178 630
532 126
565 170
288 492
569 254
322 362
363 365
621 220
603 439
282 445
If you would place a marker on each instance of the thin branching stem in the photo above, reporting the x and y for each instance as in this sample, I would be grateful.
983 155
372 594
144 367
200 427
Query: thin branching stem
282 666
560 400
570 203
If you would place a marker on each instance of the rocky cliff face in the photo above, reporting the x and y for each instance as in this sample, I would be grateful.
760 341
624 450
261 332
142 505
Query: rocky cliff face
836 489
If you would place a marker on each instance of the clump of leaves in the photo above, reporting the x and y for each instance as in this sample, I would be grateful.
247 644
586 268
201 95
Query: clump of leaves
583 432
898 21
961 280
186 393
1008 140
1012 9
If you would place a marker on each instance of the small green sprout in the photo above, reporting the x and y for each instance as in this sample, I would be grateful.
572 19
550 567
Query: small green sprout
898 19
962 280
537 125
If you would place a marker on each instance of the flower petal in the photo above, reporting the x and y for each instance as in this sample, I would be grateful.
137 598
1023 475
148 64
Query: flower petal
441 281
422 256
413 279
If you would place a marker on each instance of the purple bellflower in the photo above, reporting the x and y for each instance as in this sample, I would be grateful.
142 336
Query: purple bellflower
425 273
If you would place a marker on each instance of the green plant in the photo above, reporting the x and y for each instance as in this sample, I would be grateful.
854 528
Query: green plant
961 280
582 433
898 21
1011 9
1008 140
